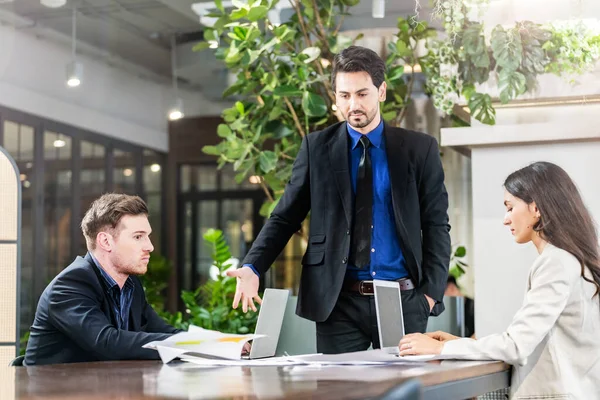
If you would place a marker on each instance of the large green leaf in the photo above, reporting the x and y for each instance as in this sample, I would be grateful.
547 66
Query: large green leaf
482 109
200 46
211 150
278 129
460 251
402 49
395 73
238 14
507 47
224 131
533 38
313 104
257 13
312 54
267 160
475 47
511 84
287 90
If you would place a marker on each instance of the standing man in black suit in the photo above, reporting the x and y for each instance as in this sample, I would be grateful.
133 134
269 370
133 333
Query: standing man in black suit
379 210
96 308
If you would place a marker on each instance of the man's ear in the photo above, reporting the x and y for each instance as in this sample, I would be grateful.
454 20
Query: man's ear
382 91
104 241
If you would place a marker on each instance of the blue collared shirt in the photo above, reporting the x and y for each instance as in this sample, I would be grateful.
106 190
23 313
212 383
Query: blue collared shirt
121 298
387 261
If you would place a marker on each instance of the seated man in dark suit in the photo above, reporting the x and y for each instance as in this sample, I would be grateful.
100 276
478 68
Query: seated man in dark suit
96 308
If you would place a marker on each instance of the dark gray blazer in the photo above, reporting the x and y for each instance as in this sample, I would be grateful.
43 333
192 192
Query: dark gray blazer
320 183
74 321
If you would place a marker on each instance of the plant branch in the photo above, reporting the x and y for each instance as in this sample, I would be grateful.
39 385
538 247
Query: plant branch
411 82
296 6
294 116
327 83
339 26
266 190
320 26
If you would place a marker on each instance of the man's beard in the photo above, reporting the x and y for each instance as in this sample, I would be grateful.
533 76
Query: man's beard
359 124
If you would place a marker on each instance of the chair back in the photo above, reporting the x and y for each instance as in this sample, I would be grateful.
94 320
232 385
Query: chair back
452 320
17 362
409 390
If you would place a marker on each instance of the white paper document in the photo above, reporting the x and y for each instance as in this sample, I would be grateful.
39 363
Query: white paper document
202 343
367 357
208 348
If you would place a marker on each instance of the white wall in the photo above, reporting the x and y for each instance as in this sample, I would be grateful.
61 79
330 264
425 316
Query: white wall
109 101
501 265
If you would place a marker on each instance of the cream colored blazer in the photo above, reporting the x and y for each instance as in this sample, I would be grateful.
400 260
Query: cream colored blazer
553 341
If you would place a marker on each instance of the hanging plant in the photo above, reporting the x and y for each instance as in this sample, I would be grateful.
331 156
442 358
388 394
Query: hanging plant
514 57
573 47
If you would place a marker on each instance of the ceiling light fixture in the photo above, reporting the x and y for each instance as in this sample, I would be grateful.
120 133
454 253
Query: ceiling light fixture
155 167
59 143
53 3
74 68
378 10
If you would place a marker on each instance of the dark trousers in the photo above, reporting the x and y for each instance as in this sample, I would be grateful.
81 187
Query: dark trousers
352 325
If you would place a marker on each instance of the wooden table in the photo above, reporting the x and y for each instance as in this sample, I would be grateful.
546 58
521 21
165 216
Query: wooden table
445 380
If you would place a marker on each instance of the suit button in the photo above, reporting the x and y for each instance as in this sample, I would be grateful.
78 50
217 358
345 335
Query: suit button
347 232
345 260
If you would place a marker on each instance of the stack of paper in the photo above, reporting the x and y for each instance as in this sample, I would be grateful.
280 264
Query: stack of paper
202 343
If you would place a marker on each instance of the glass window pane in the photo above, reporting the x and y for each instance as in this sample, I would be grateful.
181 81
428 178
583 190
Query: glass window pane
206 177
57 201
124 172
286 271
228 180
11 138
152 175
206 219
185 178
56 146
92 178
154 208
19 142
152 172
187 247
236 220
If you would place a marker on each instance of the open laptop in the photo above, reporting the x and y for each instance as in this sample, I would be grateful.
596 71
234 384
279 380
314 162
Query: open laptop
270 319
390 320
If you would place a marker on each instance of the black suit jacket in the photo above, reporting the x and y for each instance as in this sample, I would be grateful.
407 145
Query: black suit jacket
74 321
320 183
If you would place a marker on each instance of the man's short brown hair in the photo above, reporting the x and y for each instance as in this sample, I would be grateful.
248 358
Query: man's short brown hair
106 212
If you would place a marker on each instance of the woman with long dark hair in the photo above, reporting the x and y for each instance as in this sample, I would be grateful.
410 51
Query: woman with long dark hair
553 341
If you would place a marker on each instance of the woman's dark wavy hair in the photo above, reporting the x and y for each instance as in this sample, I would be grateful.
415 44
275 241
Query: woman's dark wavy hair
565 221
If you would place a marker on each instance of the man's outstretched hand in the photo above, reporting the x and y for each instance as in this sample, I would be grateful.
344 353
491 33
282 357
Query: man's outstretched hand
246 289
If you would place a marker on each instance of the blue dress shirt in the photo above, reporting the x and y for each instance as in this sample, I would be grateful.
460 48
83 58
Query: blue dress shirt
387 261
121 298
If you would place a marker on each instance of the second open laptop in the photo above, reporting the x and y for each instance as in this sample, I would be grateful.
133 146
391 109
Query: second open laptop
270 319
390 319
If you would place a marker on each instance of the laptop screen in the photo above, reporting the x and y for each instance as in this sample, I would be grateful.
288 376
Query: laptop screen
270 319
388 305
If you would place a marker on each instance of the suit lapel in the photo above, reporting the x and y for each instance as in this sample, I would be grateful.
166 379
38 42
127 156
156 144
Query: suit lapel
338 154
397 166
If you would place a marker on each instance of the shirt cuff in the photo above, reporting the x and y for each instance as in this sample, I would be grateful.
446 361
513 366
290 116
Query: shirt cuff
252 268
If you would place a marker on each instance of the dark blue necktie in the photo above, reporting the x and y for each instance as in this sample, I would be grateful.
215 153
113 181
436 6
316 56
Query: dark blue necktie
360 251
